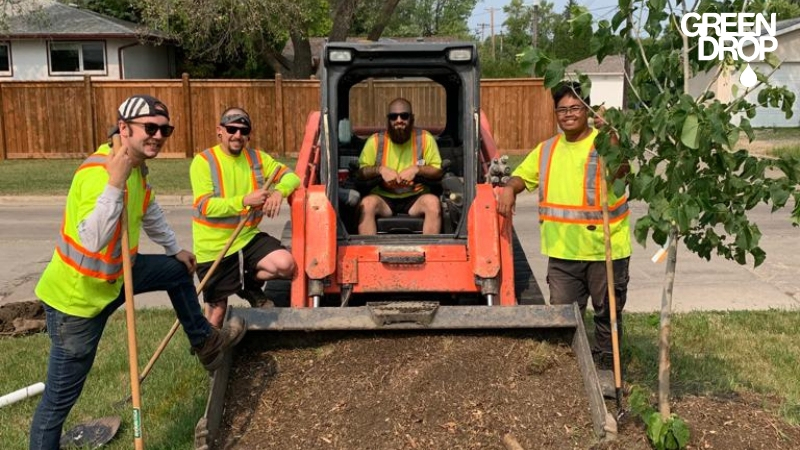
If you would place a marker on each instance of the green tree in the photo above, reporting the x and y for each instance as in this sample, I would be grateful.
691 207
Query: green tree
426 18
697 183
210 29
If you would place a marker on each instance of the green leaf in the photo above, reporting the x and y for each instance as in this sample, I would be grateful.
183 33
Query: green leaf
680 431
772 59
689 135
554 73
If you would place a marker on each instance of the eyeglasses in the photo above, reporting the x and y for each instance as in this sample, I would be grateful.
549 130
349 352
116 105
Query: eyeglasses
402 115
151 129
232 130
572 110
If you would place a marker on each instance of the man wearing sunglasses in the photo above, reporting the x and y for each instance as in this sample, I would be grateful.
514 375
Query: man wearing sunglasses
398 156
227 183
82 285
570 214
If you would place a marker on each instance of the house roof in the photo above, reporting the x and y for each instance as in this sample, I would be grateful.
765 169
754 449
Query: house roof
38 19
612 64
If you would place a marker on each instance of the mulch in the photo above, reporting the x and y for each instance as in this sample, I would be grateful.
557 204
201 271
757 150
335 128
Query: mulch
457 391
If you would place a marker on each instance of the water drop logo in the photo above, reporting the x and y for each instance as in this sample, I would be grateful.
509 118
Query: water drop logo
748 77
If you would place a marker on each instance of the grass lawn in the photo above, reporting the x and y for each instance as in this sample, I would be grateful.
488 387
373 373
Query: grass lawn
53 176
712 354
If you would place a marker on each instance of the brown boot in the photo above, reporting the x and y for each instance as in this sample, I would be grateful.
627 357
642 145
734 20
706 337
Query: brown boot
218 342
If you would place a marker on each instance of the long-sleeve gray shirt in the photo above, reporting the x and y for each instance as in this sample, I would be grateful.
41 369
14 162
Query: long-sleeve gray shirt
98 228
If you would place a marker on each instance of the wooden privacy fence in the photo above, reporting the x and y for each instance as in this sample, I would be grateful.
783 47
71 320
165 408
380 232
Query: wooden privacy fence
69 119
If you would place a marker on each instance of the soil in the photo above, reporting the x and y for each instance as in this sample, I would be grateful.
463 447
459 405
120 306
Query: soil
455 391
21 318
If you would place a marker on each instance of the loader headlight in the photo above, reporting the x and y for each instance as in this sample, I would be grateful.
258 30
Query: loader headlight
459 54
339 56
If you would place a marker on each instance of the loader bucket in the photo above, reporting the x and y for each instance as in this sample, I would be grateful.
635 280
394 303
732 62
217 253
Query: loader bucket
563 319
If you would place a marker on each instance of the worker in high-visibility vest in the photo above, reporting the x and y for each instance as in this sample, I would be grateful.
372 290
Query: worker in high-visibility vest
566 170
227 183
398 156
82 285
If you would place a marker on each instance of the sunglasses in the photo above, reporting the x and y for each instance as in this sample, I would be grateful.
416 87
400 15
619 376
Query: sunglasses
232 130
402 115
151 129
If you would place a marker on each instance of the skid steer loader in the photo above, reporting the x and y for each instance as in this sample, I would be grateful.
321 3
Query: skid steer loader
472 275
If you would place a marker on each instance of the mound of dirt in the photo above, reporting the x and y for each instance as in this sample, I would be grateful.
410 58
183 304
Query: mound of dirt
462 391
21 318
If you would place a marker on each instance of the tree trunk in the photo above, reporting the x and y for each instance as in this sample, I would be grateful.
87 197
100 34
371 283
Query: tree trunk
383 20
664 328
301 65
343 15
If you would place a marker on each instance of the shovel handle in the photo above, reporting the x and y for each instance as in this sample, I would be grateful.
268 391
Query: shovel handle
130 318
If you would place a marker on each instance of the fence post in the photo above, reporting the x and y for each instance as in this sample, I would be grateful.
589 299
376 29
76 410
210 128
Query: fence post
91 137
279 125
370 101
3 148
187 113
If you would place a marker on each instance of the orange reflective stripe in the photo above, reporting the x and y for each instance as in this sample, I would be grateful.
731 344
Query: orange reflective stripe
590 210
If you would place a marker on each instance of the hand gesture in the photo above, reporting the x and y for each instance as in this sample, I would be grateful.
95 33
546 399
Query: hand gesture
118 164
188 259
390 177
255 199
272 206
506 201
408 174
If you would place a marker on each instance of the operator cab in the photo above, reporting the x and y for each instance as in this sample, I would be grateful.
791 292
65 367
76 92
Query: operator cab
442 83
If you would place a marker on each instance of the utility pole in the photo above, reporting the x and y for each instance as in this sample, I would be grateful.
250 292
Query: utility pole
535 30
491 21
483 29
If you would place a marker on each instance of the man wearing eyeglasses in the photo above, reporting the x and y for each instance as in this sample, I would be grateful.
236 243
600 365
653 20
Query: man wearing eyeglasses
227 183
398 156
566 170
82 285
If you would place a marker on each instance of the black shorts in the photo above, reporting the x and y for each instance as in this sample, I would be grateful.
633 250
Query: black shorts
401 205
229 278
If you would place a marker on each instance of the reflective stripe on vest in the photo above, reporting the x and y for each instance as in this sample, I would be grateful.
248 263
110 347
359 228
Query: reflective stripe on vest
591 211
257 179
103 265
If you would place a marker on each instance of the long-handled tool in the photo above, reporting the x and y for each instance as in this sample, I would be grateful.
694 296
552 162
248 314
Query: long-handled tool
130 320
612 297
220 256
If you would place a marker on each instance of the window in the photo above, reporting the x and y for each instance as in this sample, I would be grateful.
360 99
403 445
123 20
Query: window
5 59
75 57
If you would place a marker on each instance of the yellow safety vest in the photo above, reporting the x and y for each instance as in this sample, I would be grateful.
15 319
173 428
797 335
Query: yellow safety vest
570 208
80 282
231 179
399 160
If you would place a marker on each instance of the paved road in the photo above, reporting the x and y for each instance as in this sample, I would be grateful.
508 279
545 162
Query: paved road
29 227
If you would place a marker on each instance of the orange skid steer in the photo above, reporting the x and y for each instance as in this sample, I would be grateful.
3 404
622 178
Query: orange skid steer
472 275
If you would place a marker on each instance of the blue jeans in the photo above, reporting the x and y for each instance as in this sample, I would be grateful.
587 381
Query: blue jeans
74 341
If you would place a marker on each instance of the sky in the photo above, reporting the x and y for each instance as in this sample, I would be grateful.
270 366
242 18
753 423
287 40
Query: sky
482 14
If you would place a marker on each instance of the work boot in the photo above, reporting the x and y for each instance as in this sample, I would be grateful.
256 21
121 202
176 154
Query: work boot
212 351
256 297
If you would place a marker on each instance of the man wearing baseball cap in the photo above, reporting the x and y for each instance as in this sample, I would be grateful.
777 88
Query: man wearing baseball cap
82 285
227 183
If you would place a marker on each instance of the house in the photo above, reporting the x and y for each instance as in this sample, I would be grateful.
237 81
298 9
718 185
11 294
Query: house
607 77
47 40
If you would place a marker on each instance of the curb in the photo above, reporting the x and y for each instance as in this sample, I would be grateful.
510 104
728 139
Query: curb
59 200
